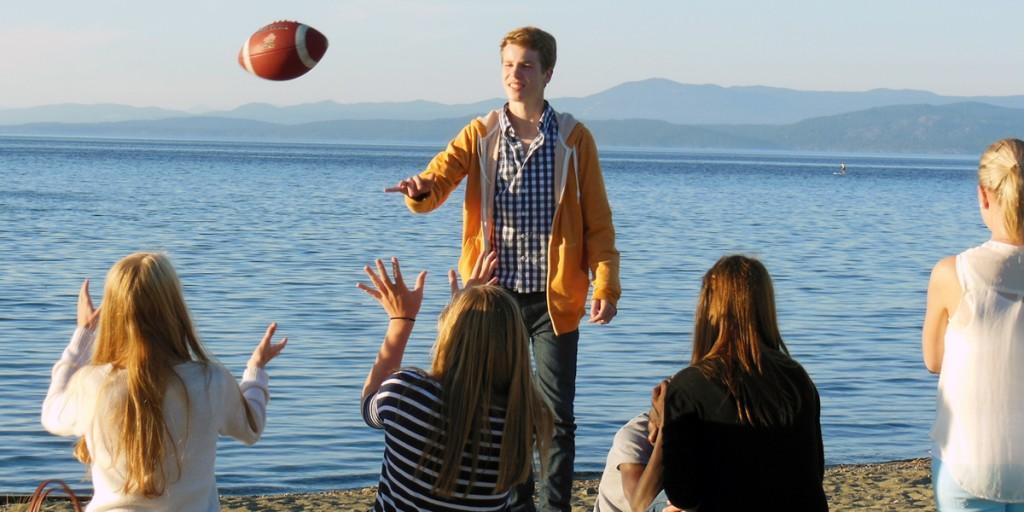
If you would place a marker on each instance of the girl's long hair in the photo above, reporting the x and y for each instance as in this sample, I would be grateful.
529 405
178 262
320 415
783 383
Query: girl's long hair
144 330
482 359
736 342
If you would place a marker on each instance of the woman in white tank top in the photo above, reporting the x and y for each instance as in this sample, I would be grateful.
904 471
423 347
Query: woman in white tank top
973 337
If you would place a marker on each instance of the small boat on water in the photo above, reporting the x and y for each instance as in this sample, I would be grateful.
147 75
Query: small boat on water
842 170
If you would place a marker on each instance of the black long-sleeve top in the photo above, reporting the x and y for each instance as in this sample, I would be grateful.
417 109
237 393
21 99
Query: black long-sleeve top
714 461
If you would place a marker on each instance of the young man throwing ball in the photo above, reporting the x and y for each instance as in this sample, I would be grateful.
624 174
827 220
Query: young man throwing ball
535 196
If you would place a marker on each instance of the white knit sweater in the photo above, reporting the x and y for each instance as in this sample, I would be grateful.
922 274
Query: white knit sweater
80 400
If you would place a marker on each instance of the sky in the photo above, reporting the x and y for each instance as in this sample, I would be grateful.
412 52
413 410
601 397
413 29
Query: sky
182 54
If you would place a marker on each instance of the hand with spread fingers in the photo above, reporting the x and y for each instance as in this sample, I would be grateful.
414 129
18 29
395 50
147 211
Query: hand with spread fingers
395 297
266 349
402 305
88 316
483 272
415 187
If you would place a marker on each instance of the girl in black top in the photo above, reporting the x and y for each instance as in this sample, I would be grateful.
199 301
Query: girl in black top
741 426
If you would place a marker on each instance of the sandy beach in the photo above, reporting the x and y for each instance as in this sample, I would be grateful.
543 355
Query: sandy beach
891 486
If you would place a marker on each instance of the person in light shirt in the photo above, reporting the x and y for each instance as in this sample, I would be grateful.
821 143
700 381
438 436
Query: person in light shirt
630 457
973 337
145 399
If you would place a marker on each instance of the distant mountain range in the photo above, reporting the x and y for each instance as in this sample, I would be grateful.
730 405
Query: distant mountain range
77 113
962 128
656 98
649 113
677 103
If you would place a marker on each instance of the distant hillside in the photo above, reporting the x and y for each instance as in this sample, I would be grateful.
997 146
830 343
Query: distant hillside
648 133
77 113
964 128
219 128
654 99
712 104
959 128
332 111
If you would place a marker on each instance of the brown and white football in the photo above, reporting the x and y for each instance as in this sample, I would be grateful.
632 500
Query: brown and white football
282 50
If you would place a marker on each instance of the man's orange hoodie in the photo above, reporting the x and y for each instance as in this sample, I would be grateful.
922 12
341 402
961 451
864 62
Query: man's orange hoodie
582 236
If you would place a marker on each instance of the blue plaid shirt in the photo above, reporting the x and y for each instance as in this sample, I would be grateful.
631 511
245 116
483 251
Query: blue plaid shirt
524 204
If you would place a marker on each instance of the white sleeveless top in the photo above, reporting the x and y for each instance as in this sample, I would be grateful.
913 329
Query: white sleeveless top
979 428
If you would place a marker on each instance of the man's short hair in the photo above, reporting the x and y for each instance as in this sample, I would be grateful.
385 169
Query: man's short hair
534 39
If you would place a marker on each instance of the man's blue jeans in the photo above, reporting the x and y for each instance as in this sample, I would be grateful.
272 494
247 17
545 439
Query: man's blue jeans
555 362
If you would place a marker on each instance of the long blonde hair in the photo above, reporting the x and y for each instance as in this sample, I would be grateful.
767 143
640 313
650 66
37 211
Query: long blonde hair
482 359
999 172
144 331
736 341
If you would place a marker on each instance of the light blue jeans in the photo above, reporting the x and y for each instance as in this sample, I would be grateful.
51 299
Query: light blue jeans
660 502
949 497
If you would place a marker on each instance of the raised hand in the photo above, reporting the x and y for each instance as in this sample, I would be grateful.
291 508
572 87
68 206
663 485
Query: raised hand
395 297
266 350
413 186
483 272
87 315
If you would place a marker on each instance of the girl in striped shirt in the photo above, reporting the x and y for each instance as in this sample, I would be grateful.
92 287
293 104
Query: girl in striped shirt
460 435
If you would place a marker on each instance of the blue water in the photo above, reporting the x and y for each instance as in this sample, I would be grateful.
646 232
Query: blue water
280 232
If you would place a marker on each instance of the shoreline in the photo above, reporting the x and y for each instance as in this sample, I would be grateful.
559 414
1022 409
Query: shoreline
902 485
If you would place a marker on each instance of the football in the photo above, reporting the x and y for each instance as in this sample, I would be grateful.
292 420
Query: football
282 50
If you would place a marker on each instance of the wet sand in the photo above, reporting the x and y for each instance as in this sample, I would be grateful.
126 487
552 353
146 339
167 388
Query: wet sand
891 486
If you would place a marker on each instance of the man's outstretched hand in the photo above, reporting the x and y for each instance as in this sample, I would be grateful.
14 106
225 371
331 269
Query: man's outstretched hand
415 187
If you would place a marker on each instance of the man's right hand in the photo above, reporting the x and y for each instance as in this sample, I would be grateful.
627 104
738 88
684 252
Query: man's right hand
415 187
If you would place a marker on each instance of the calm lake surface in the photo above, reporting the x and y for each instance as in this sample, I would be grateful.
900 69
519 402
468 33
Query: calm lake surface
280 232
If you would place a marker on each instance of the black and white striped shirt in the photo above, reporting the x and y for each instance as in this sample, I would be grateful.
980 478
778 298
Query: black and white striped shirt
524 204
406 406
